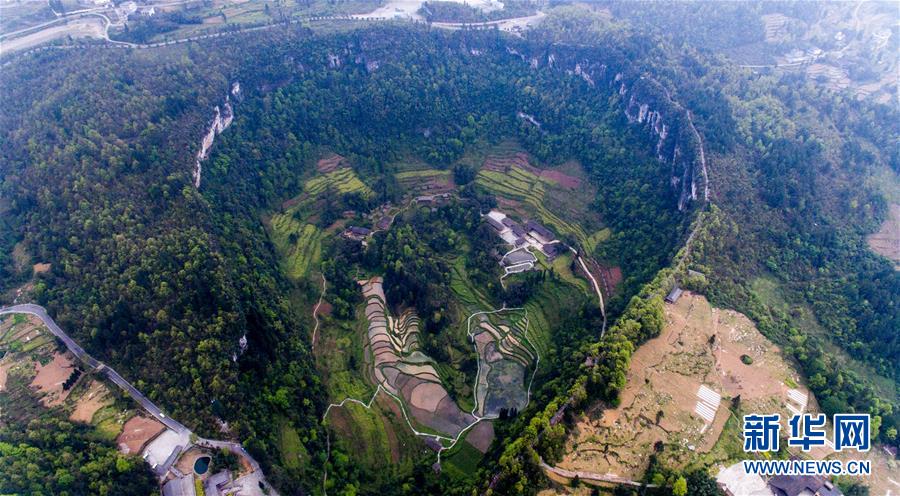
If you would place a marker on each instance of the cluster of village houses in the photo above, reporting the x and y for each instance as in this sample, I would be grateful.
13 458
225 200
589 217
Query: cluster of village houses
734 481
522 238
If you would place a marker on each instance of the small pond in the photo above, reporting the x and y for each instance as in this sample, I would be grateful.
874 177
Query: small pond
202 465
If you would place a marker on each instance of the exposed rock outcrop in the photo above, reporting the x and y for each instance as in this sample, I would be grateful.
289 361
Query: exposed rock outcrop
221 121
645 102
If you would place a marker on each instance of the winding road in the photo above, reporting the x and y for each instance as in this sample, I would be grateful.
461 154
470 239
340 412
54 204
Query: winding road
511 24
96 365
145 403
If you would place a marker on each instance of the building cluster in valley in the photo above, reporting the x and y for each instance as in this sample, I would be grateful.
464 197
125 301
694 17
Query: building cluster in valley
523 238
734 481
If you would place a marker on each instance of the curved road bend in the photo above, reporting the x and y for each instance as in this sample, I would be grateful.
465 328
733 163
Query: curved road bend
590 476
41 313
98 366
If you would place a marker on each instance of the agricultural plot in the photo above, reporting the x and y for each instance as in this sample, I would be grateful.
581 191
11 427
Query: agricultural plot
505 357
679 391
886 242
343 180
35 377
397 365
296 238
425 181
550 196
298 243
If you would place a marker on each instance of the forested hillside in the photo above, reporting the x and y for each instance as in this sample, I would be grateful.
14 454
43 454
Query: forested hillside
162 279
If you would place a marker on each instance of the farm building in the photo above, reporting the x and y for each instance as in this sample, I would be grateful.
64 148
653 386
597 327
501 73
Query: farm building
518 231
802 485
495 223
734 481
540 232
435 199
552 250
673 295
356 233
384 223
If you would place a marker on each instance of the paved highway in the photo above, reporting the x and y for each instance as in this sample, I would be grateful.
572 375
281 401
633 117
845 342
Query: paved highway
41 313
98 366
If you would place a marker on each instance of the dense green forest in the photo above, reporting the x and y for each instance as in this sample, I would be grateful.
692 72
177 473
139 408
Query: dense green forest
52 456
162 280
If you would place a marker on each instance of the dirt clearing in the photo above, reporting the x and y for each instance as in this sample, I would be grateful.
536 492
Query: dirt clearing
95 398
50 378
136 433
86 27
330 164
481 436
679 388
886 241
4 371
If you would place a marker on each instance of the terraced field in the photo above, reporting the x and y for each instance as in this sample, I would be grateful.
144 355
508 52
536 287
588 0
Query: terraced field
424 181
397 365
343 180
506 356
299 244
534 192
33 378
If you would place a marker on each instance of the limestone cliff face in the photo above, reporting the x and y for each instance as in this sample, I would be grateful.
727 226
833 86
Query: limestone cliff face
222 119
647 104
676 141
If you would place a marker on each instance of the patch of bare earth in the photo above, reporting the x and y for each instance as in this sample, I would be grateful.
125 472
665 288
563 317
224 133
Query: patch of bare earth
503 164
886 241
40 268
50 378
137 432
699 346
330 163
186 461
4 373
481 436
325 309
95 398
561 178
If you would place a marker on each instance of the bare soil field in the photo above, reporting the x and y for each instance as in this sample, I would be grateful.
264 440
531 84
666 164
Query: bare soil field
481 436
95 398
4 370
50 378
186 461
86 27
679 387
330 163
886 241
136 433
324 310
40 268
